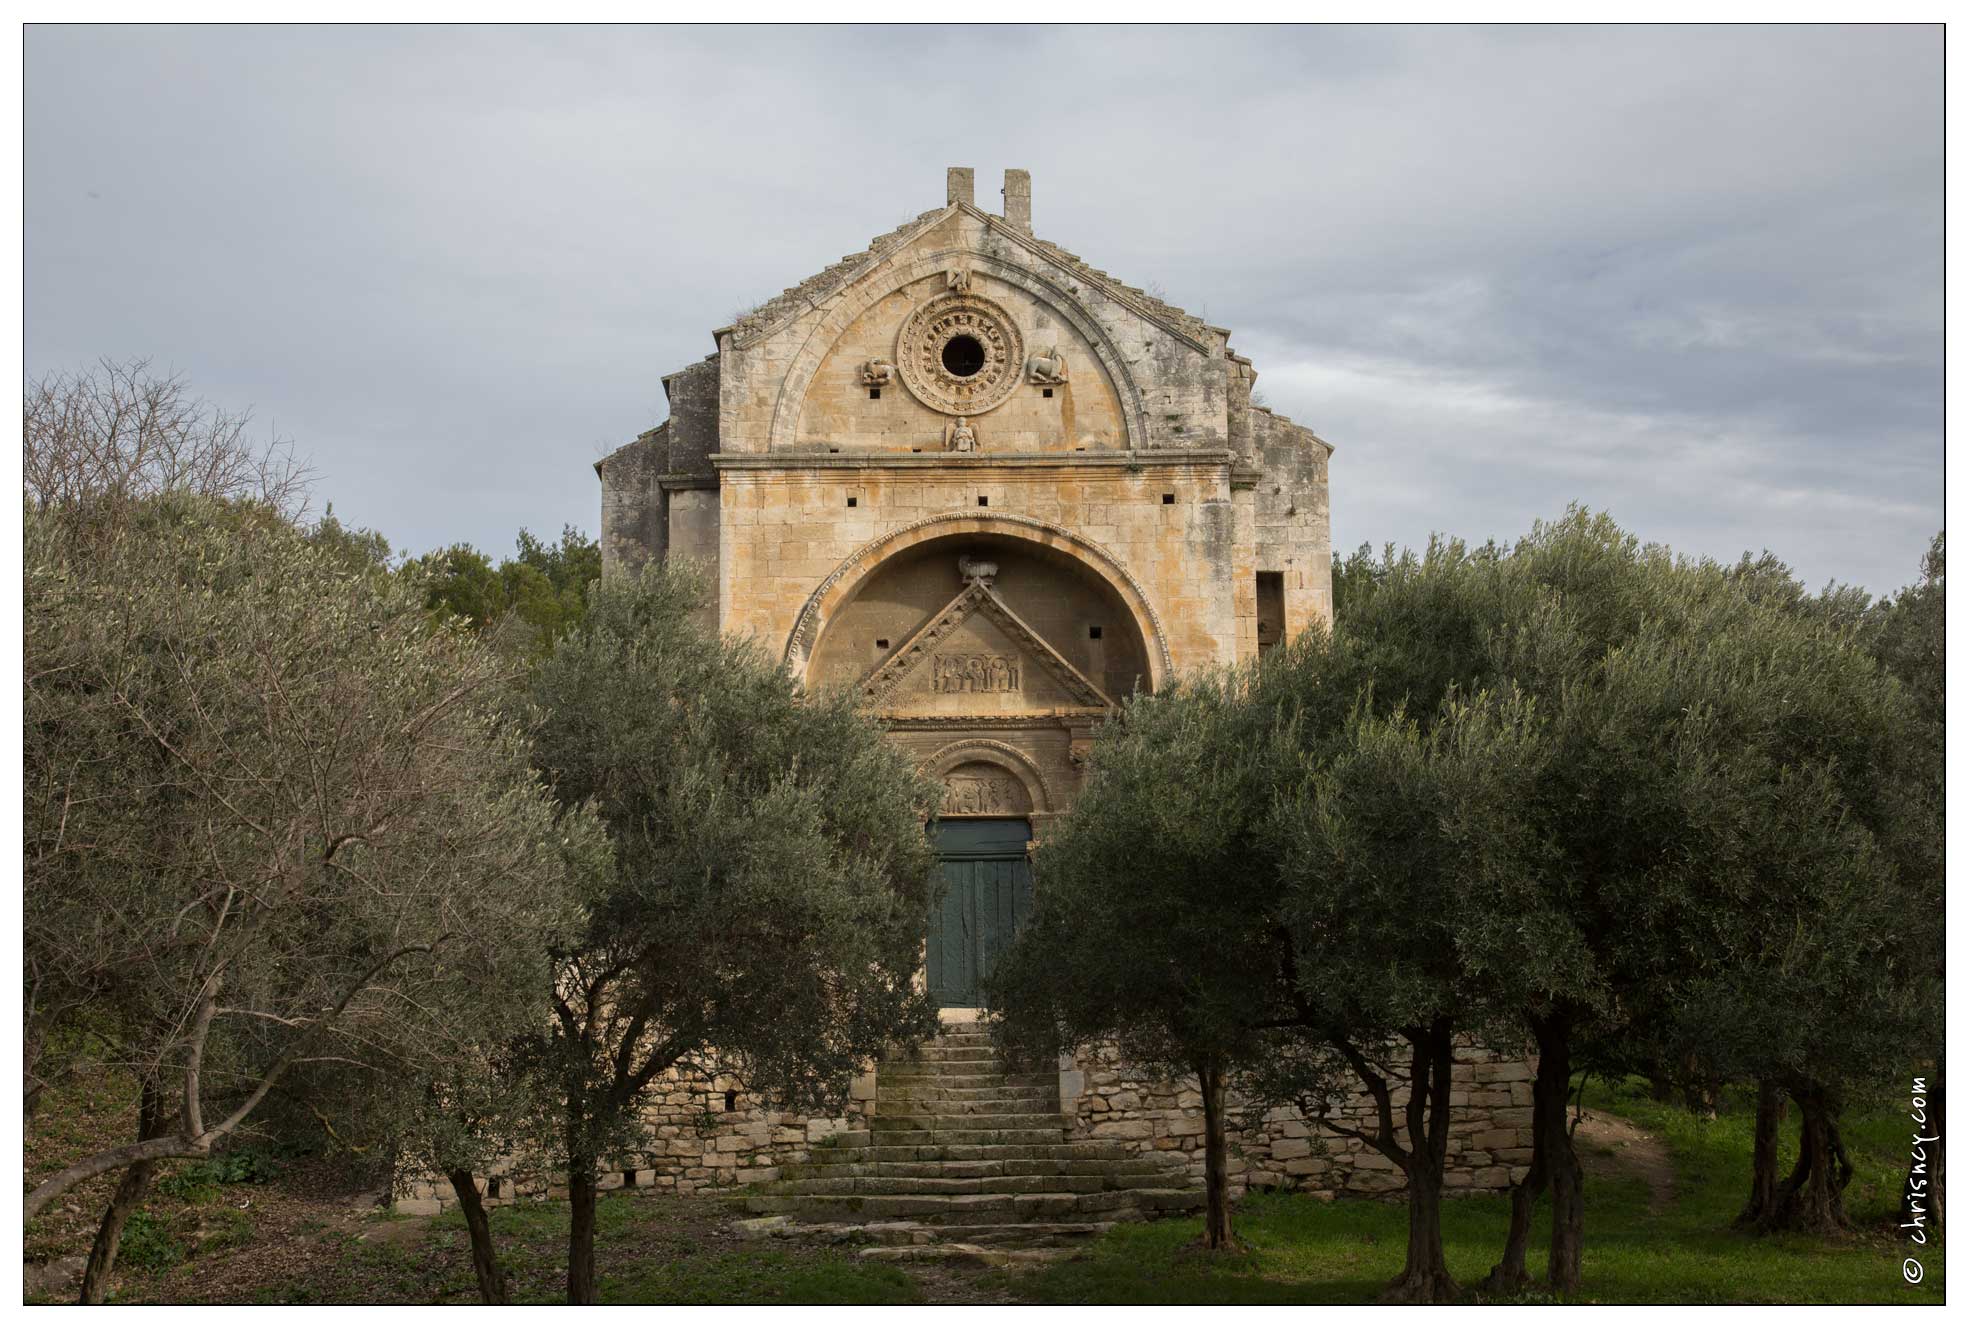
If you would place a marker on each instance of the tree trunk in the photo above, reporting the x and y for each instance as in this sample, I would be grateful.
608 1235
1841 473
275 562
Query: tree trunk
130 1192
1810 1200
1425 1277
1216 1174
1549 1093
1763 1204
1552 1136
485 1259
581 1196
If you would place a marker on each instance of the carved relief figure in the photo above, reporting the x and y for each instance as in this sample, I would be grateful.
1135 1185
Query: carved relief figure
975 569
974 673
877 373
1048 370
958 436
969 794
958 280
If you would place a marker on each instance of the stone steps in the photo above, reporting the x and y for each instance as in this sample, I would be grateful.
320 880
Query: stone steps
966 1153
893 1123
963 1153
951 1136
997 1206
1008 1184
1000 1167
936 1092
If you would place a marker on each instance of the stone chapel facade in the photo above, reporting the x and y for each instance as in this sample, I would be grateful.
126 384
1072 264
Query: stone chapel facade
987 484
995 490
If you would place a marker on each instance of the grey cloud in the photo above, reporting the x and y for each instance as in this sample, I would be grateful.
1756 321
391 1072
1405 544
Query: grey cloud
1690 274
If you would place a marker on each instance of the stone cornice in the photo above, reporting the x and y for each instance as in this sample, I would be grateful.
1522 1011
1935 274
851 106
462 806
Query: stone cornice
970 463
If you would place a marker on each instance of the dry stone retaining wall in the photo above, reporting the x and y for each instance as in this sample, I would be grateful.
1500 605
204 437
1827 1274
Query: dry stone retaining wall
1490 1127
694 1144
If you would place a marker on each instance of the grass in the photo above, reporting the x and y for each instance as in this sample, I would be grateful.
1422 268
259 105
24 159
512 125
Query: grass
229 1234
649 1250
1304 1251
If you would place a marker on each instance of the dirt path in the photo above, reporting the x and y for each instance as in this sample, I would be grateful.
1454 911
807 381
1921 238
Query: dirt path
1614 1146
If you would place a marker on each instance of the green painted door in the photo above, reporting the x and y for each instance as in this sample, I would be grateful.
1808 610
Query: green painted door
987 892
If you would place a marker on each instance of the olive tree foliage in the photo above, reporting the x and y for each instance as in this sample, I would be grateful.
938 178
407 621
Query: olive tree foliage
118 432
768 901
1818 949
1407 851
1405 866
273 819
1908 637
1150 925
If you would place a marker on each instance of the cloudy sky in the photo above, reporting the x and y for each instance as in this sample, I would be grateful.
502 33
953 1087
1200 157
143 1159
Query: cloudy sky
1693 276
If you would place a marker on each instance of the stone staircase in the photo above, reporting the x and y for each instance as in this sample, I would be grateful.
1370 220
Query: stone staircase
963 1154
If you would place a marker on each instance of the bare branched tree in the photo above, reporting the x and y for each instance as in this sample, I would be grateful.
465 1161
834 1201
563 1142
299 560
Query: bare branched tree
118 432
274 820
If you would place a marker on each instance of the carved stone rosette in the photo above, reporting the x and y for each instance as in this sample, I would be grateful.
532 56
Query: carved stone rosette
938 322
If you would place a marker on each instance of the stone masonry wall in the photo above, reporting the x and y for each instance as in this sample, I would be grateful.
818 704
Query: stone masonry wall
694 1144
1490 1128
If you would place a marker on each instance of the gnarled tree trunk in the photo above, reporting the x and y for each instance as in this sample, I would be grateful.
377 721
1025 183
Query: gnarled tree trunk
1763 1203
1425 1276
1810 1199
130 1192
1216 1172
1550 1090
485 1259
1562 1169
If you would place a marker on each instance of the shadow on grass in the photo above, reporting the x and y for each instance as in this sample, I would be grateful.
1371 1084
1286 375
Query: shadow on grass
1305 1251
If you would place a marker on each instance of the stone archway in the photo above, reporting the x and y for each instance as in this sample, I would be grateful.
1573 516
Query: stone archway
972 761
847 581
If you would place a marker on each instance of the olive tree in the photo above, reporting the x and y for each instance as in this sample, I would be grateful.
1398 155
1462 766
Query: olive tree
1162 858
768 900
273 818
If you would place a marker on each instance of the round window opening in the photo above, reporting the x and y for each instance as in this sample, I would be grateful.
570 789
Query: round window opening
963 355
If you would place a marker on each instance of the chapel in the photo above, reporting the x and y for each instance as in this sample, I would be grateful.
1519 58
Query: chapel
994 490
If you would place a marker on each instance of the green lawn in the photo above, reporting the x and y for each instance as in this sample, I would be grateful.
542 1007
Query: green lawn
1302 1250
210 1236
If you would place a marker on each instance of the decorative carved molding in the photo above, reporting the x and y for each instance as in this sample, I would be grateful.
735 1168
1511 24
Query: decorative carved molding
806 629
934 325
1066 718
999 753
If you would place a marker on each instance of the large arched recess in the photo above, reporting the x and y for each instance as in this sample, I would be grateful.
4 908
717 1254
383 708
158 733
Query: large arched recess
1046 540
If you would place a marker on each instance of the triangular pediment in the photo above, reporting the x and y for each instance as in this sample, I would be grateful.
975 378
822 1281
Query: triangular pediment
977 657
884 250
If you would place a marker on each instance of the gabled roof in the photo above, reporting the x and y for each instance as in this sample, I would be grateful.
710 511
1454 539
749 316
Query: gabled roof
811 293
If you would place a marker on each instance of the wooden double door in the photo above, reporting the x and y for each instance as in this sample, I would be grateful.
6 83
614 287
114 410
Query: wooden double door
985 893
